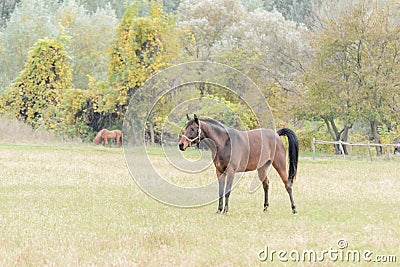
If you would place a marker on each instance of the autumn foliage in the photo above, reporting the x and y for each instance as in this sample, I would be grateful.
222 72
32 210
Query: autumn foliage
38 91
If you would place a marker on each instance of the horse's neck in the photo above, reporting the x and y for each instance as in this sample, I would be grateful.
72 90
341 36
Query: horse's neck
218 134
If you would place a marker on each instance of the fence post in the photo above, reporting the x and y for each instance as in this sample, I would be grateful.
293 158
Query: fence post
313 147
341 149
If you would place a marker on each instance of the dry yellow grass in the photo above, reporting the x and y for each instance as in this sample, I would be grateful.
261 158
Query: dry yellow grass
14 132
78 205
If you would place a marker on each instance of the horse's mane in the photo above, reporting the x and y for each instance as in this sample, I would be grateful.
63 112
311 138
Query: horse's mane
97 139
215 123
219 127
212 121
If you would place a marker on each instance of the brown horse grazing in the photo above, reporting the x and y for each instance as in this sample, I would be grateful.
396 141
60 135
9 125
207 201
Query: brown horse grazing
241 151
105 135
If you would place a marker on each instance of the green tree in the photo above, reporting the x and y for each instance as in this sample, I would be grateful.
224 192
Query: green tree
144 45
299 11
93 5
271 53
6 8
30 21
84 111
36 19
90 44
37 93
355 72
251 5
262 44
171 6
378 64
205 23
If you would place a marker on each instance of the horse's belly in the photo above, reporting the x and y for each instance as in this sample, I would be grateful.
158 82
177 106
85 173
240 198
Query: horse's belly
254 162
247 164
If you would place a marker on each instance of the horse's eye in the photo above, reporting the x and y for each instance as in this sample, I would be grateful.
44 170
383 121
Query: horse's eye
192 129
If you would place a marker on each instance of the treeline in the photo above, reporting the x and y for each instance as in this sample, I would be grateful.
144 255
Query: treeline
327 68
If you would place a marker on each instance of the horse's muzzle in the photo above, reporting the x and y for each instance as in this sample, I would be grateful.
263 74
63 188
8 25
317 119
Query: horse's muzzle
181 147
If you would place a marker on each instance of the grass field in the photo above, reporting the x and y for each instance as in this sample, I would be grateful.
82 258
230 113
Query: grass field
78 205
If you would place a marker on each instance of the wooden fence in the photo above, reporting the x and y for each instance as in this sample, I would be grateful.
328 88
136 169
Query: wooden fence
350 145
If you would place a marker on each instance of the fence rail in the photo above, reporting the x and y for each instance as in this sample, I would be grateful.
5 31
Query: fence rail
350 145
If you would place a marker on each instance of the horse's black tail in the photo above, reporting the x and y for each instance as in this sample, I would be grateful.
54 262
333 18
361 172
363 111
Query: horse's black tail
293 151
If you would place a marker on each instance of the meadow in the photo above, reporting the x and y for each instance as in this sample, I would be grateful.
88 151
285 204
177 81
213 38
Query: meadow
76 204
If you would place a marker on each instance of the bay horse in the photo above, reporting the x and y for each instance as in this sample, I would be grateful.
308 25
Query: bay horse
242 151
105 135
396 148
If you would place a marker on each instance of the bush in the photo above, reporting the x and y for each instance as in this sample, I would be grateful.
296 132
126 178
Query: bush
311 130
38 90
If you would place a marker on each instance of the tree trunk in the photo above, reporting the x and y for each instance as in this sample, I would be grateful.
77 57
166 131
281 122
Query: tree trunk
201 88
334 133
151 129
376 137
338 135
4 15
345 135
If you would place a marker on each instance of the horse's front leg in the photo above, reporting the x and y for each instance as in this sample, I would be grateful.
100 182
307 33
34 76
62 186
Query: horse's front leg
230 174
221 183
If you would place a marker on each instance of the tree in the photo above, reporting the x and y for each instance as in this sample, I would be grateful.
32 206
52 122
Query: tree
84 111
91 40
30 21
251 5
36 19
143 46
329 103
6 7
271 53
37 93
92 6
205 23
355 72
171 6
378 39
299 11
262 44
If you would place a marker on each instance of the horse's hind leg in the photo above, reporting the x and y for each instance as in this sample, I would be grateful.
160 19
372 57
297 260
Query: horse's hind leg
279 164
262 175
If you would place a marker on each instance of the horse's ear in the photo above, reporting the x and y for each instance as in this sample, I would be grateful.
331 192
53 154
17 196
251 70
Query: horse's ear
196 119
187 116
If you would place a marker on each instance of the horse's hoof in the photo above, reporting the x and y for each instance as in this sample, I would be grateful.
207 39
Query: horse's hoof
265 210
218 212
294 212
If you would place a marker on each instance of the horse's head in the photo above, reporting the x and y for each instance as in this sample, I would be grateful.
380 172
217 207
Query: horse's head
191 133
